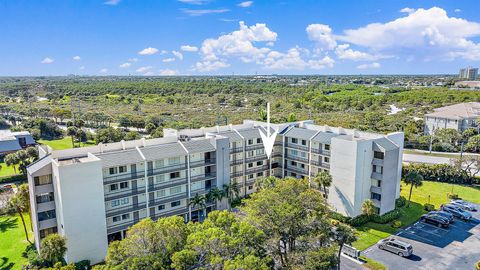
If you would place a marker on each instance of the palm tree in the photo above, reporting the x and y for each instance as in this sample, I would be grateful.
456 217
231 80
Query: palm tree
215 194
368 208
72 132
414 179
20 203
231 192
342 234
267 182
198 200
323 179
12 160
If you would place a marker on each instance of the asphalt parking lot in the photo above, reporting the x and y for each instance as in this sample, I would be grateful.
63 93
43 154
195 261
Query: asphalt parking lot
456 247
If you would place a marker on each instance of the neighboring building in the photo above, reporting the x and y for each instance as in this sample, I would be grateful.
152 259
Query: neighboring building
468 73
467 84
459 117
93 194
13 141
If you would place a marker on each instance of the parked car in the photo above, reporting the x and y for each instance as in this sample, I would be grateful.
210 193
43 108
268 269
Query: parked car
456 211
436 220
464 205
400 248
443 214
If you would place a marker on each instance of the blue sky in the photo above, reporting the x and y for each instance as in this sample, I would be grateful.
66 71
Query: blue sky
145 37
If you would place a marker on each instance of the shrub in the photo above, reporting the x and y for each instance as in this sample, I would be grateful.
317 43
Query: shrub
428 207
82 265
400 202
340 217
397 224
452 196
387 217
477 265
359 220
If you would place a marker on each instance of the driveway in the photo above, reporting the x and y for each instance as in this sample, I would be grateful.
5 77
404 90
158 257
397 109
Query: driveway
456 247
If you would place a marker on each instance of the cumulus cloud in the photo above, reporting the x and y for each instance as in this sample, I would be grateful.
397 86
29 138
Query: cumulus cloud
112 2
77 58
133 60
322 35
47 60
429 33
178 54
103 70
168 60
458 10
148 51
82 68
344 52
245 4
293 60
240 43
168 72
125 65
188 48
407 10
143 69
369 66
200 12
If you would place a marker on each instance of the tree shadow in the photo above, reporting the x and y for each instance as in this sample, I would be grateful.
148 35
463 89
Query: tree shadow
9 223
5 265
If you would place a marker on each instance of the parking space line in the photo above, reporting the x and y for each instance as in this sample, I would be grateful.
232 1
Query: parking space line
425 239
435 227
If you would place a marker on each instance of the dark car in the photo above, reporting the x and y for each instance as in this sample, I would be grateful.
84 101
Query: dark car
456 212
435 220
443 214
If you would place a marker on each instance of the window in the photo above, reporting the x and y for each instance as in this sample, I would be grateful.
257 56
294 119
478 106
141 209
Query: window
326 147
260 163
159 163
161 207
259 140
22 141
174 175
326 159
302 165
125 216
116 219
113 187
260 174
175 204
250 153
122 169
112 170
47 197
250 165
118 202
250 187
294 140
378 169
260 151
46 215
376 196
124 201
161 193
197 185
294 163
160 178
45 232
43 180
250 176
304 142
174 160
175 190
250 142
123 185
379 155
294 152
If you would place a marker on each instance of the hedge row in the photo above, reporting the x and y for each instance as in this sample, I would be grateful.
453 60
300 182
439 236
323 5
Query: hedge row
440 173
363 219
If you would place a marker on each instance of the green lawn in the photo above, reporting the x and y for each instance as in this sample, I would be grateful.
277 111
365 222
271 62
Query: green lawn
13 242
64 143
6 170
433 192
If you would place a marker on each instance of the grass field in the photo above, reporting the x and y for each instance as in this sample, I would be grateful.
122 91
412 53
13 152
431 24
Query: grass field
64 143
432 192
13 242
6 170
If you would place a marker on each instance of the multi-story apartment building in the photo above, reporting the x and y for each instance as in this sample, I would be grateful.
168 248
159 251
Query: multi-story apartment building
93 194
468 73
458 116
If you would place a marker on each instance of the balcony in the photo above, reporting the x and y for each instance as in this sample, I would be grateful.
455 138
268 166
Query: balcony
167 199
42 189
125 209
377 161
236 173
167 169
124 193
297 158
375 189
377 176
124 177
321 151
297 146
45 206
167 184
257 169
254 147
49 223
236 161
201 163
120 226
297 170
171 212
256 158
236 150
203 177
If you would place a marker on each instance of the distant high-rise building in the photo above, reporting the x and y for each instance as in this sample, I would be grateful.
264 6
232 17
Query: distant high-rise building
468 73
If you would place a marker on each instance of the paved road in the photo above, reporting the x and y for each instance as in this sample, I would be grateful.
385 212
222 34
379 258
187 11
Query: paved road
456 247
425 159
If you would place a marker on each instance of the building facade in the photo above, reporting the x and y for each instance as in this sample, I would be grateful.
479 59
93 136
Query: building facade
93 194
459 117
11 142
468 73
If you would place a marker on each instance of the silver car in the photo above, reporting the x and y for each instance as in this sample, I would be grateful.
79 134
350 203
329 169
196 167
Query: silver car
398 247
456 211
463 205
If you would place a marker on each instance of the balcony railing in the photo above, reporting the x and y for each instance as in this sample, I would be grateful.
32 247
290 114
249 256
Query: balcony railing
377 161
120 226
123 177
167 184
257 169
171 212
297 170
321 151
167 169
205 162
167 199
297 146
236 162
255 158
236 150
124 193
202 177
377 176
375 189
125 209
296 158
254 146
236 173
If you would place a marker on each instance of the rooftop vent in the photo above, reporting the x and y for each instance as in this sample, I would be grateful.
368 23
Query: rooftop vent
184 138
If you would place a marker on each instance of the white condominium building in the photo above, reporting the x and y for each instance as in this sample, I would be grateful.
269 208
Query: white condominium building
459 116
92 195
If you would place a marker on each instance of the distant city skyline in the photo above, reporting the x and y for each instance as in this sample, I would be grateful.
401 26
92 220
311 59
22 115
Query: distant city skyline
208 37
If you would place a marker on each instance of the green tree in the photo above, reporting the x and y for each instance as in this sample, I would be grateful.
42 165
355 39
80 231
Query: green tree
12 160
414 179
342 234
267 182
215 194
368 208
324 180
53 248
291 118
324 258
20 203
109 135
157 133
262 115
232 191
473 144
72 132
200 202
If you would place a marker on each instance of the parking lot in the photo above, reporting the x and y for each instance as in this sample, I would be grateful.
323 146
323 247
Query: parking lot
456 247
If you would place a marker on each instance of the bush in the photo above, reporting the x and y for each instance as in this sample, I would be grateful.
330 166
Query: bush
340 217
82 265
452 196
440 173
359 220
400 202
387 217
397 224
477 265
428 207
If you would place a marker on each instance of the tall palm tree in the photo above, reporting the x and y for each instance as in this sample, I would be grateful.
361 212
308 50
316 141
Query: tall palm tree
324 180
200 201
215 194
12 160
368 208
231 192
72 132
342 234
414 179
267 182
20 203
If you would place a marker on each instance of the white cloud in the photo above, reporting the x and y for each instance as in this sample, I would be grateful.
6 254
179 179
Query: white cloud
163 52
322 35
82 68
457 10
168 72
112 2
344 52
188 48
200 12
77 58
148 51
427 33
240 43
293 60
133 60
194 2
125 65
368 66
325 62
47 60
168 60
245 4
103 70
178 54
148 73
143 69
407 10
